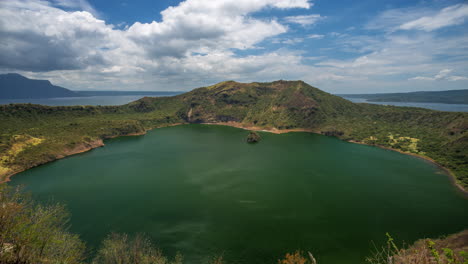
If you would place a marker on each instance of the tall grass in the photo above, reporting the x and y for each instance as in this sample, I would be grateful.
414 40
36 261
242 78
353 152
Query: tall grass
443 251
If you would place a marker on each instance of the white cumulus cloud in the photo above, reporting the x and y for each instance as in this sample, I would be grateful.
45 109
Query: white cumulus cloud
304 20
64 41
442 75
316 36
449 16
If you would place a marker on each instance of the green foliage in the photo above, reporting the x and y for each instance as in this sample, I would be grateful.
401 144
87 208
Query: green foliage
427 251
253 137
386 254
391 243
441 136
434 253
297 258
34 233
449 255
120 249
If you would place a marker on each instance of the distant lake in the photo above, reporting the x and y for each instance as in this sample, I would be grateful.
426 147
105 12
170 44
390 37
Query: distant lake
203 191
434 106
124 99
86 100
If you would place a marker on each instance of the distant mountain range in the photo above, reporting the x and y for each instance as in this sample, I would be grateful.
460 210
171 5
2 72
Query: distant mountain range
446 97
16 86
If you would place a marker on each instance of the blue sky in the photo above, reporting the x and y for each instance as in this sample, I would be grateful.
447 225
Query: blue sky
343 46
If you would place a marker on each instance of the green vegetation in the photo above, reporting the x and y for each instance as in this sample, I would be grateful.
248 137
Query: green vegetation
450 250
35 233
32 233
297 258
446 97
118 248
253 137
440 136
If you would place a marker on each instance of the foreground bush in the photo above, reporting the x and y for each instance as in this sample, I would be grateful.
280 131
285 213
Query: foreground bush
31 233
34 233
120 249
450 250
297 258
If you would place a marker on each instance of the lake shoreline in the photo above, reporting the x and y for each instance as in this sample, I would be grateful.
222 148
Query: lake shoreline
447 171
84 147
81 148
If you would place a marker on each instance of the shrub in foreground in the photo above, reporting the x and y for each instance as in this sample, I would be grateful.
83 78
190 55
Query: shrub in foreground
32 233
450 250
121 249
35 233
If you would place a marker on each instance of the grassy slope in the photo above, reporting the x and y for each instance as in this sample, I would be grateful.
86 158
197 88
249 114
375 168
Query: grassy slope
283 105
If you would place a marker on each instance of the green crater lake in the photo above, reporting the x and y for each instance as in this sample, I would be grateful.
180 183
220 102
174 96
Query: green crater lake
202 190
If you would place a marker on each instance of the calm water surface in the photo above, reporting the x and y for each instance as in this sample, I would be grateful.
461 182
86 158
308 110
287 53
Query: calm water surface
86 100
124 99
203 191
433 106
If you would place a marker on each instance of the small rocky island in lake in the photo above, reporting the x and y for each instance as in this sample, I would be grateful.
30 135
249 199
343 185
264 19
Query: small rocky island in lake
253 137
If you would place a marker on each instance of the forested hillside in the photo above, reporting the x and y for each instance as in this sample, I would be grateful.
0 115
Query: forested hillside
34 134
